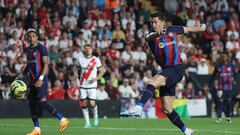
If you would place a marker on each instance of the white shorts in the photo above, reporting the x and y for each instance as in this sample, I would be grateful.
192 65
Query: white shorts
88 93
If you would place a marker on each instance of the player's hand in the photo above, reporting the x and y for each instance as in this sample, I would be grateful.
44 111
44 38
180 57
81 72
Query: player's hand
38 83
203 26
92 80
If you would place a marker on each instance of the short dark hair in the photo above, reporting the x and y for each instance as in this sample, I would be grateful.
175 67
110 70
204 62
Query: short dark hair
160 15
33 31
88 45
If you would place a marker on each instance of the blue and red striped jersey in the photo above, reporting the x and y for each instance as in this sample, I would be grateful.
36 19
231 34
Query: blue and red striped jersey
225 74
164 47
35 62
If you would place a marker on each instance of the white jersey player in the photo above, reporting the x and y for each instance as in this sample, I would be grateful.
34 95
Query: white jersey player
91 71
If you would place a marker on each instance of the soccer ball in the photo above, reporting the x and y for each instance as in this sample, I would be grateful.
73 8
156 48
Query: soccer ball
18 89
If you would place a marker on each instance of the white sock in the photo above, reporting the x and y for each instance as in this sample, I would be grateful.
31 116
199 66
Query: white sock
37 128
95 111
86 115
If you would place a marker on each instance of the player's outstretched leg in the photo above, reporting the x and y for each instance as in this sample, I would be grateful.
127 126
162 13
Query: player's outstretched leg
34 115
64 122
137 109
176 120
173 115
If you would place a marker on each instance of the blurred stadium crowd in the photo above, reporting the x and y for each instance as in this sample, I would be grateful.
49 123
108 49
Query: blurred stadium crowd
115 28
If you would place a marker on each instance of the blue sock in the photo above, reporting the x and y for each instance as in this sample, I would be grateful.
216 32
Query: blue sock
45 105
35 121
229 108
34 115
219 109
175 119
147 94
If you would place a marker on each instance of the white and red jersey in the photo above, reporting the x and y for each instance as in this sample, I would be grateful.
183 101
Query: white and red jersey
89 71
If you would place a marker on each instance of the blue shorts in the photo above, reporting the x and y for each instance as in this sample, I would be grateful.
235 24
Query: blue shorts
35 94
173 75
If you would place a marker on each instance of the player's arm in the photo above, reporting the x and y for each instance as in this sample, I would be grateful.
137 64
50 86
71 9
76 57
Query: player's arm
150 36
22 73
101 71
195 29
39 82
45 65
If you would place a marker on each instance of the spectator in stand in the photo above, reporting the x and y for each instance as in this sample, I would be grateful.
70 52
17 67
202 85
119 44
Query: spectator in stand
185 42
127 54
125 89
54 53
112 91
142 31
101 92
189 91
73 91
139 55
20 64
191 67
65 44
77 52
105 43
118 32
128 19
79 40
233 31
15 40
70 18
3 41
202 67
120 43
94 40
13 52
113 53
217 47
57 92
232 44
52 39
87 33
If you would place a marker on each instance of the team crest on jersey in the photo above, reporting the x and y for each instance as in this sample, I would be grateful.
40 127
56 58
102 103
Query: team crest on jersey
161 45
170 34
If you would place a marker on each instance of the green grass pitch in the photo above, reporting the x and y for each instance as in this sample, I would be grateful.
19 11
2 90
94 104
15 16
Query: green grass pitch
123 126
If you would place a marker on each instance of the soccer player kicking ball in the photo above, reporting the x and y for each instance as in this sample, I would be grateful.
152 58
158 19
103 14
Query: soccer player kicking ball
37 69
163 44
91 71
226 73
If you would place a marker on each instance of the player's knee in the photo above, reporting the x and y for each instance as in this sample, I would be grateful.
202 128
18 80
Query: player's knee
158 81
92 103
167 110
151 83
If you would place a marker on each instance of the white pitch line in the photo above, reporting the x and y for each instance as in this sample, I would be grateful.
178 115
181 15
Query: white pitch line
227 131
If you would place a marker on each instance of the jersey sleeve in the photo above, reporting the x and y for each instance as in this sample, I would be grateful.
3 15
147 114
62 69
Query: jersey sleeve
43 51
98 63
176 29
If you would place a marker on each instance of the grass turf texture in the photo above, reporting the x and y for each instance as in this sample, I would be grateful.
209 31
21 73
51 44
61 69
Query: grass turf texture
124 126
